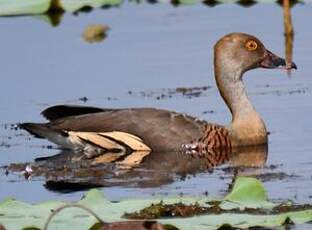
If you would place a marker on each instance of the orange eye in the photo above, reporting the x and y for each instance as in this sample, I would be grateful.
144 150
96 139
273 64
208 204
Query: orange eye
251 45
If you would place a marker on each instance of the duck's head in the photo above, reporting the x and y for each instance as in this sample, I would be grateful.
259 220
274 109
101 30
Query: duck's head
240 52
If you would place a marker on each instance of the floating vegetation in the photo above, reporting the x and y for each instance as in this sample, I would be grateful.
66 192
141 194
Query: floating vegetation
95 33
32 7
4 144
187 92
161 210
245 206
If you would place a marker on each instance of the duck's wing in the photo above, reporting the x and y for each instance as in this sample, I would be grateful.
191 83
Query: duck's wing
160 130
61 111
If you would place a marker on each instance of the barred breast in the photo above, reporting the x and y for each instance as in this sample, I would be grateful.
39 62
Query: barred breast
214 146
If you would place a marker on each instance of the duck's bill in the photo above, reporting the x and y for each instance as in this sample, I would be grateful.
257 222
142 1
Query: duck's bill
272 61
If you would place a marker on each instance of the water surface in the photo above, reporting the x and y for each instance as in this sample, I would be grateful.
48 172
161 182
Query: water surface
149 49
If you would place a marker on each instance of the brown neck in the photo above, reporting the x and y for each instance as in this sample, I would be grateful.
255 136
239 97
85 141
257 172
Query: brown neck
247 127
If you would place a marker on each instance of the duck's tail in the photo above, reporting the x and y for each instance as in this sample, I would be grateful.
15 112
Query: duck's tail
39 130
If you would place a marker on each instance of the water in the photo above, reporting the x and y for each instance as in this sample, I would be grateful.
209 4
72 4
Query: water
151 48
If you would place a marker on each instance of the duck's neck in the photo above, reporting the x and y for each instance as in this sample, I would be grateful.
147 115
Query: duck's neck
247 127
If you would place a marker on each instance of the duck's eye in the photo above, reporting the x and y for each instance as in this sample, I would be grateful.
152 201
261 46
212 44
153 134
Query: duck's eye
251 45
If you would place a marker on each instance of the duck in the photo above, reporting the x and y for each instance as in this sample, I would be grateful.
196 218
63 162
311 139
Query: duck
117 133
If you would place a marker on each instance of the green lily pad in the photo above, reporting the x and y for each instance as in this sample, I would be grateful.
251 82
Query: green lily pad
75 5
32 7
245 206
244 193
247 192
22 7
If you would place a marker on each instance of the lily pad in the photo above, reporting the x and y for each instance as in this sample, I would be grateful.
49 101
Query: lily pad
75 5
244 195
246 191
31 7
20 7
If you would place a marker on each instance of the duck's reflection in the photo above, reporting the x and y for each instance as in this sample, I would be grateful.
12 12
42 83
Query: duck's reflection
68 171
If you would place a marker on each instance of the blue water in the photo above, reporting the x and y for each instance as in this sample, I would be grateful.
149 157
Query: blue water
150 48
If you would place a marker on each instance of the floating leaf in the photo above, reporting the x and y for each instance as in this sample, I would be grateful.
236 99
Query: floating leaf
20 7
246 191
30 7
75 5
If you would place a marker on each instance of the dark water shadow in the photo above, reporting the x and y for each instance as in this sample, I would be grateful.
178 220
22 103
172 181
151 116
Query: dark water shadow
69 171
